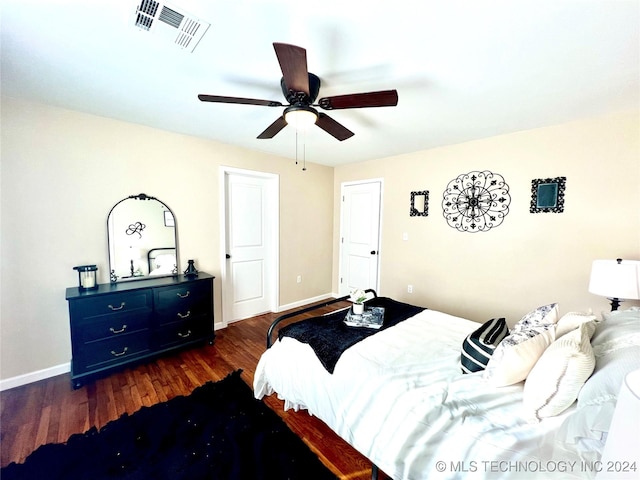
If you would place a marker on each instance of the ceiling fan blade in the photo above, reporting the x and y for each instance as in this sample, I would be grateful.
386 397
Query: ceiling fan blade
274 128
244 101
383 98
293 63
332 127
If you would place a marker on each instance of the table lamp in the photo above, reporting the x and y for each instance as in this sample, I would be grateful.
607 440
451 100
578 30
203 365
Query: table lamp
618 280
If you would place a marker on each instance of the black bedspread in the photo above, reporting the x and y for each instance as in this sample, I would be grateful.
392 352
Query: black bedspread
330 337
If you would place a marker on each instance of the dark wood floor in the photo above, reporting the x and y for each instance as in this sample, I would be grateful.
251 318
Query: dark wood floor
49 411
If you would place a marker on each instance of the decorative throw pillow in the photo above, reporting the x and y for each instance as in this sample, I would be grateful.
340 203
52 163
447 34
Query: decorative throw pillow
572 320
557 377
479 345
516 355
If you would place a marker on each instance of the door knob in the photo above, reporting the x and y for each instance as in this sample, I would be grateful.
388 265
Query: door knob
228 256
373 252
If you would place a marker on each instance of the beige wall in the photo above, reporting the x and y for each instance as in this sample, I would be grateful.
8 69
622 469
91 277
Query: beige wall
62 171
531 259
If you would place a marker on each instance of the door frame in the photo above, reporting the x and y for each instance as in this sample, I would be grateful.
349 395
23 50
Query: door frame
341 244
273 192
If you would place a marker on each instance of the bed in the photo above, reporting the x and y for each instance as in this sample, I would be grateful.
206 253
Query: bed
399 396
162 261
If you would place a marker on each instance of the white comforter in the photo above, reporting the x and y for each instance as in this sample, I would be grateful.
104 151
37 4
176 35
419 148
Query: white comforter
400 399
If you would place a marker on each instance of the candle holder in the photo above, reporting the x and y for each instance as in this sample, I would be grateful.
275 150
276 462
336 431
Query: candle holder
87 277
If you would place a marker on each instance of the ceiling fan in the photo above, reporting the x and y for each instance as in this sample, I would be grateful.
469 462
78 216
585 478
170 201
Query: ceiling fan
301 88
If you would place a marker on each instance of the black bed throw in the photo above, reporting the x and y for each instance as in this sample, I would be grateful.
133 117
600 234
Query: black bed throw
330 337
218 432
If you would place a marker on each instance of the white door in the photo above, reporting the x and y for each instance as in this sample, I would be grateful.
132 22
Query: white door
360 236
250 273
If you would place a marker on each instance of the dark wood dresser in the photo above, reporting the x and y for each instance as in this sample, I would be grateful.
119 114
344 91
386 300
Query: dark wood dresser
120 323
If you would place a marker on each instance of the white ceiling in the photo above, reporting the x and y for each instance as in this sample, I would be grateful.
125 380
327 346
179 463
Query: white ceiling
463 69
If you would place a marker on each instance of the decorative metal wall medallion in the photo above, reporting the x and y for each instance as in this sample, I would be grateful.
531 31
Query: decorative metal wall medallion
419 204
547 195
476 201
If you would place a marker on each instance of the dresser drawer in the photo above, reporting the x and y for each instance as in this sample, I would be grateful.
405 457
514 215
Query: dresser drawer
113 351
86 309
183 302
111 325
195 329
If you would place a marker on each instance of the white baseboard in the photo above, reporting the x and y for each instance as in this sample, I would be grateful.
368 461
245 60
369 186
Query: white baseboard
20 380
302 303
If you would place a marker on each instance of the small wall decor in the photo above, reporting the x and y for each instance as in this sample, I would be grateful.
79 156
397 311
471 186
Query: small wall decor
419 204
547 195
169 221
476 201
137 227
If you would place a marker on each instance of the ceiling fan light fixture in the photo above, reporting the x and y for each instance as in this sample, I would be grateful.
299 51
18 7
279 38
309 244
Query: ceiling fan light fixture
300 117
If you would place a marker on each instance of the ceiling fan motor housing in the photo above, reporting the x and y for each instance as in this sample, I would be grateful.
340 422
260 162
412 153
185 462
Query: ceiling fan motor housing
301 97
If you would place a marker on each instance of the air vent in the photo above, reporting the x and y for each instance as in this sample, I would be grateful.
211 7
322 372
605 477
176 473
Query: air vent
169 23
170 17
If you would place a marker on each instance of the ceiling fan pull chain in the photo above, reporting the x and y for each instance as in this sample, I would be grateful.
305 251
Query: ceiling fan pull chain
304 153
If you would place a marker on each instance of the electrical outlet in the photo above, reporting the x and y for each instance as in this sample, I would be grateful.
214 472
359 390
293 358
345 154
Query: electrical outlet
409 288
299 279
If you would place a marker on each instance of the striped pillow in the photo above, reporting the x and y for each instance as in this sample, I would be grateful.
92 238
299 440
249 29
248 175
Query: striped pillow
479 345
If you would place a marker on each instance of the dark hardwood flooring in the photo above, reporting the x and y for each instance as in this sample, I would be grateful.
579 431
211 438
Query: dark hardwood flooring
49 411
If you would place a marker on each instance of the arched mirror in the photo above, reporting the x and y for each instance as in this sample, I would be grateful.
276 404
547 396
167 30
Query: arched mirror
142 238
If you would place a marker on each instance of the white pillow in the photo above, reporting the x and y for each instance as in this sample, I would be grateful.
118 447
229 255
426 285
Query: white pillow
557 377
572 320
616 346
516 355
165 260
619 329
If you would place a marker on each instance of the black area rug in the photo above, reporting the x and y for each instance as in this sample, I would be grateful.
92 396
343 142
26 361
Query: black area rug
220 431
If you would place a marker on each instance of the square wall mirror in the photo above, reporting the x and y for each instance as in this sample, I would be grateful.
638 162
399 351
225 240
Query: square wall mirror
547 195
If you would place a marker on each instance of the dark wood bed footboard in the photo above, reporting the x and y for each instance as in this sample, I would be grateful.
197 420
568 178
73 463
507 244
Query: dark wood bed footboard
306 310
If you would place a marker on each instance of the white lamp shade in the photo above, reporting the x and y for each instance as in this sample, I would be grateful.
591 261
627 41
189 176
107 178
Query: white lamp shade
622 451
616 280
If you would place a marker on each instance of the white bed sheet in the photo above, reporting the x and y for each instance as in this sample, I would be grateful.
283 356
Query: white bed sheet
400 399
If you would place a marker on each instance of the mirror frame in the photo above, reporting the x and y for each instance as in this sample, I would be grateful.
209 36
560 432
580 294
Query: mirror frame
143 197
547 195
419 209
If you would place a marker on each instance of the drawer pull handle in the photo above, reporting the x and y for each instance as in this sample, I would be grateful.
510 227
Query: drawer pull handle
186 315
185 295
116 308
116 354
184 335
124 327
